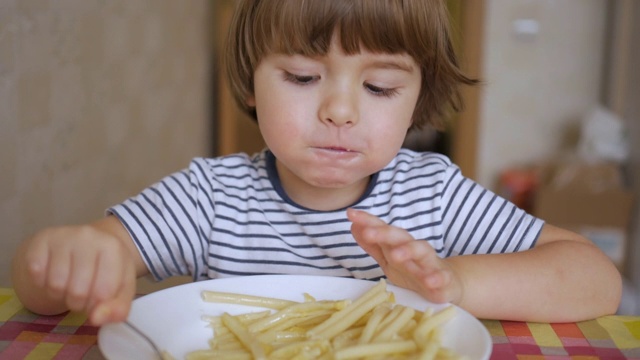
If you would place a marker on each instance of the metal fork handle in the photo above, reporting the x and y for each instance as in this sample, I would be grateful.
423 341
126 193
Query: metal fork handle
141 333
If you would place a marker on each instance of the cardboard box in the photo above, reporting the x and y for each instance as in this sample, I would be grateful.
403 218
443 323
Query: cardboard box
589 199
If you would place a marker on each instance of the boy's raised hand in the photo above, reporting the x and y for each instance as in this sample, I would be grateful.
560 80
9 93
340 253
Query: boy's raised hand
87 268
406 262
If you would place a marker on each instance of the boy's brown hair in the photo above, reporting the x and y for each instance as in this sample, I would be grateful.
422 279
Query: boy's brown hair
419 28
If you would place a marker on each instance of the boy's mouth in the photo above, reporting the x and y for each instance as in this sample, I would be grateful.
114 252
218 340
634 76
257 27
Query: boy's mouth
337 148
335 152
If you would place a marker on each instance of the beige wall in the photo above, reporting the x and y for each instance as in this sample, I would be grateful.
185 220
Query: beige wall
537 87
629 103
97 100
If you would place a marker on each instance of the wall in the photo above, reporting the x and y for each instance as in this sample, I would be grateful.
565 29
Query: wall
97 100
537 87
630 112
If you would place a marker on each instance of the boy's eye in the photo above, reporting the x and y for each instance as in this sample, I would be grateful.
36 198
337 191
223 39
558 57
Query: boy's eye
379 91
299 79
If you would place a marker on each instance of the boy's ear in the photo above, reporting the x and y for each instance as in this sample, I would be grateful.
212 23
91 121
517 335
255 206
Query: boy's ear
251 100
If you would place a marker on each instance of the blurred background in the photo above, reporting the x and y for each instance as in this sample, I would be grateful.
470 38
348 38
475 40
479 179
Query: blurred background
99 99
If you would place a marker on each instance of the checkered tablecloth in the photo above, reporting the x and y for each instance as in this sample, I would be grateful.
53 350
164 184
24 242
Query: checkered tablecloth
608 337
24 335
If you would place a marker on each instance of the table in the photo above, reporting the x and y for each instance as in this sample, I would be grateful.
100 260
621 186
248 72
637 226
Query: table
24 335
608 337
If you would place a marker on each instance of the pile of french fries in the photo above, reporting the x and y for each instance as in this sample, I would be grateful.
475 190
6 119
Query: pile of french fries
372 326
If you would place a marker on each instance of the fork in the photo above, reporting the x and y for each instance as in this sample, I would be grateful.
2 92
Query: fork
141 333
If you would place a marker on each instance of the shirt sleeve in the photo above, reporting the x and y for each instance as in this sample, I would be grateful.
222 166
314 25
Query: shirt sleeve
167 220
477 221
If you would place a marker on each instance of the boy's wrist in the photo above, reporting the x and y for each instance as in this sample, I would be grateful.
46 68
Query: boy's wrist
457 282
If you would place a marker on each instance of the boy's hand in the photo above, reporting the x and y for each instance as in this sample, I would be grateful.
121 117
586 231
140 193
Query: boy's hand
78 268
406 262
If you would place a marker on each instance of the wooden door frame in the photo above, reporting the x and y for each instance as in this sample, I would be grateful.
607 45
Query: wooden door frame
464 137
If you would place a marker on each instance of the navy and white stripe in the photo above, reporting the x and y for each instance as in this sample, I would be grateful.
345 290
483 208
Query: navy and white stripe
229 216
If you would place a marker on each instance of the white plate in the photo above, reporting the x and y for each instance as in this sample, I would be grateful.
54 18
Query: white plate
173 317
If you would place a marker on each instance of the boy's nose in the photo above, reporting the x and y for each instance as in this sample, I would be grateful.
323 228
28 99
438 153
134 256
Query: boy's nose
339 109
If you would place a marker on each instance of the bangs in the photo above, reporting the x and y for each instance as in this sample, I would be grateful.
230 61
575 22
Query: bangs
307 27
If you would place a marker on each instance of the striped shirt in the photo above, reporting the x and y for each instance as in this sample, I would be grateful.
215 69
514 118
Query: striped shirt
229 216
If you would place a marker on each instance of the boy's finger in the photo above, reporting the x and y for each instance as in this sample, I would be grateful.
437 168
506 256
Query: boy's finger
37 258
362 221
419 251
387 235
83 267
59 271
124 300
112 310
374 251
100 313
108 277
373 229
363 226
363 218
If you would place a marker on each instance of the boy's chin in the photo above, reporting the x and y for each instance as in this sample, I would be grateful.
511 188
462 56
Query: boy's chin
339 183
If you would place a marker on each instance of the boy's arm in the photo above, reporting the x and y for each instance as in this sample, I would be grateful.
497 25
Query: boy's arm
90 268
563 278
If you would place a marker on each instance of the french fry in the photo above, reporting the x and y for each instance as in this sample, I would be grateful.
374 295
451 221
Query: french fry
384 348
249 300
217 354
246 338
346 317
298 310
394 326
371 327
290 350
429 350
428 323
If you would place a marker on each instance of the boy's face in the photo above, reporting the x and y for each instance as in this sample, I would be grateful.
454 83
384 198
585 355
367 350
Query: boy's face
333 121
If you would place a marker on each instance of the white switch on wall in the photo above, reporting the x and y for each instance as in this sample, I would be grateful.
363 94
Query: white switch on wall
526 29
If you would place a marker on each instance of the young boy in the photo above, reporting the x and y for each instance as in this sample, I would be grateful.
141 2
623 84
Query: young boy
334 86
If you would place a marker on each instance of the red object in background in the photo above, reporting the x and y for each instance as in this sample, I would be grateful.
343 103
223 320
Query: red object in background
519 187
